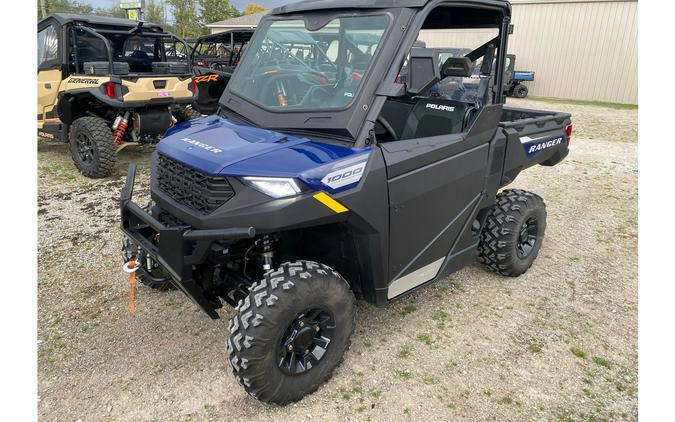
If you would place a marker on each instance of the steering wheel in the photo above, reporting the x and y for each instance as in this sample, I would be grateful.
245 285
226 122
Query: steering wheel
387 126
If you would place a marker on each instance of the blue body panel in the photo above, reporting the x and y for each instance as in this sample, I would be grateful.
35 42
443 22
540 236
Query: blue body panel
523 76
219 146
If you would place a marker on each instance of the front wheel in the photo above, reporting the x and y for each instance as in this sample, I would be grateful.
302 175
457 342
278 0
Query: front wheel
291 331
513 232
92 147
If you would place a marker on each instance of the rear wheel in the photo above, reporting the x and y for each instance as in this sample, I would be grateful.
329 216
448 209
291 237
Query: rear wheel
92 147
520 91
291 332
513 232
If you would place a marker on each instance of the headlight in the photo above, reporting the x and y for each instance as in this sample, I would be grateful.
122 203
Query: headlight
276 187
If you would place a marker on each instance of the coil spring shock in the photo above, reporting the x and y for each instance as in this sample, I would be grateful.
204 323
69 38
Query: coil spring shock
120 127
267 253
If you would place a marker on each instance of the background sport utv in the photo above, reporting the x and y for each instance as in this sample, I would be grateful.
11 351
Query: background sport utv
323 179
104 83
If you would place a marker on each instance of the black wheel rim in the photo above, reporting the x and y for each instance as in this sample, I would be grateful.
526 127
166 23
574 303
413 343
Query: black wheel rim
527 237
306 341
85 148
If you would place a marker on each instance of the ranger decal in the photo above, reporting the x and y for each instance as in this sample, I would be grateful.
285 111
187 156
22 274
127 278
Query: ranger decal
202 145
534 146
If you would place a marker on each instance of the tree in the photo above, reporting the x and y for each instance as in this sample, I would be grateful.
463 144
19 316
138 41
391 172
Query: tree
64 6
216 10
252 8
186 21
115 11
154 12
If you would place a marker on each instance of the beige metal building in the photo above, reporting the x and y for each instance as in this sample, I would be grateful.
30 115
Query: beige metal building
579 49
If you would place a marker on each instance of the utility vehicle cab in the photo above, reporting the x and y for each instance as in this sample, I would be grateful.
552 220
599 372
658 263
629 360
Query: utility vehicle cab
342 164
99 76
214 58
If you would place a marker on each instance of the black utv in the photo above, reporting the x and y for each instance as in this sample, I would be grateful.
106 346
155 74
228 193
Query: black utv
324 179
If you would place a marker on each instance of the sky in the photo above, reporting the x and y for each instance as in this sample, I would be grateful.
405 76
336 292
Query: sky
239 4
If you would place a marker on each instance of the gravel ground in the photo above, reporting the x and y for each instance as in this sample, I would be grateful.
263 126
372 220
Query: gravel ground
558 343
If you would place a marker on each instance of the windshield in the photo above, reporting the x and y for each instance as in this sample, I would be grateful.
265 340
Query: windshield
291 67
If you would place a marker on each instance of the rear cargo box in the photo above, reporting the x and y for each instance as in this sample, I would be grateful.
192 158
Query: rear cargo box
170 67
103 68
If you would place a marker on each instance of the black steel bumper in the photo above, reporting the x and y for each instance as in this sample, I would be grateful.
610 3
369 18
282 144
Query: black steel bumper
176 249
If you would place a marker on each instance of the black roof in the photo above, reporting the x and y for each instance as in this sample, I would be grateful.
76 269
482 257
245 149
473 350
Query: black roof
308 5
239 35
65 18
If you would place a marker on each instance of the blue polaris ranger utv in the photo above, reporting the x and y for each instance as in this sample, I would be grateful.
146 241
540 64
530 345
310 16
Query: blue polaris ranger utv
326 177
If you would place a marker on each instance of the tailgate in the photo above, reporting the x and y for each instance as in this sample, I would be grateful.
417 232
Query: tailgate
144 89
533 137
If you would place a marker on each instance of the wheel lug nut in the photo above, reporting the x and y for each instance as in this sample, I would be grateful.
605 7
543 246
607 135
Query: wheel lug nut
316 328
290 347
302 324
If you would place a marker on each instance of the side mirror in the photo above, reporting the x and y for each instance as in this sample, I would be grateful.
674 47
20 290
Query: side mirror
423 71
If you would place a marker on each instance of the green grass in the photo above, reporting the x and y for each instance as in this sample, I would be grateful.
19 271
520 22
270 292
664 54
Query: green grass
425 338
601 361
440 317
409 309
578 352
428 381
506 400
375 394
535 348
403 374
606 104
405 352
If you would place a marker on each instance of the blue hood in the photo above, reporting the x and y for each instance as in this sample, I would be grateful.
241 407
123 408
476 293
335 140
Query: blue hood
219 146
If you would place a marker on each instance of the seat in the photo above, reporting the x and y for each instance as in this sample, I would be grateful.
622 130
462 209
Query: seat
422 117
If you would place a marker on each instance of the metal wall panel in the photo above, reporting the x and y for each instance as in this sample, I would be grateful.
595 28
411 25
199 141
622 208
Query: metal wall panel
579 49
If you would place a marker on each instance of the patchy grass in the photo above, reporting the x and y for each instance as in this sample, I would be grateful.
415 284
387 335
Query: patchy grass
426 339
535 348
440 317
409 309
578 352
405 352
454 284
606 104
375 394
506 400
428 381
601 361
403 374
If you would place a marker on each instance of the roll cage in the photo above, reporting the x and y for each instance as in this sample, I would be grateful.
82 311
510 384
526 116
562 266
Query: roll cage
354 123
68 28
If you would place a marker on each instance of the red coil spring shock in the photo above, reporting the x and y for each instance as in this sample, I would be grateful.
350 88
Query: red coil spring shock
120 128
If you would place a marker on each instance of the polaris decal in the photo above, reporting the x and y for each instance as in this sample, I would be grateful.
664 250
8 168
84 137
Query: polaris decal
440 107
536 145
345 176
202 145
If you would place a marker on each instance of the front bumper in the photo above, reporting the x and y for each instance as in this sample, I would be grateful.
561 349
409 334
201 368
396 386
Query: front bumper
176 248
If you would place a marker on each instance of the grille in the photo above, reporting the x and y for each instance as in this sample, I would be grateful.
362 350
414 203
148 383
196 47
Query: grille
196 190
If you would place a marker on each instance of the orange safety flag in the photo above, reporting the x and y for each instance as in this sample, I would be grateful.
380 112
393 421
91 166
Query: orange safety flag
132 288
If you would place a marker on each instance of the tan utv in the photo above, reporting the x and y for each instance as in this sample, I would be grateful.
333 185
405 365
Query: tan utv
105 83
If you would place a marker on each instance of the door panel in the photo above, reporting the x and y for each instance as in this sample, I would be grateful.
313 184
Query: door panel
434 186
48 87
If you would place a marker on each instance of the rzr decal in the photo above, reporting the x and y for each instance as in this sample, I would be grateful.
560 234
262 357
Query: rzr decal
534 146
206 78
